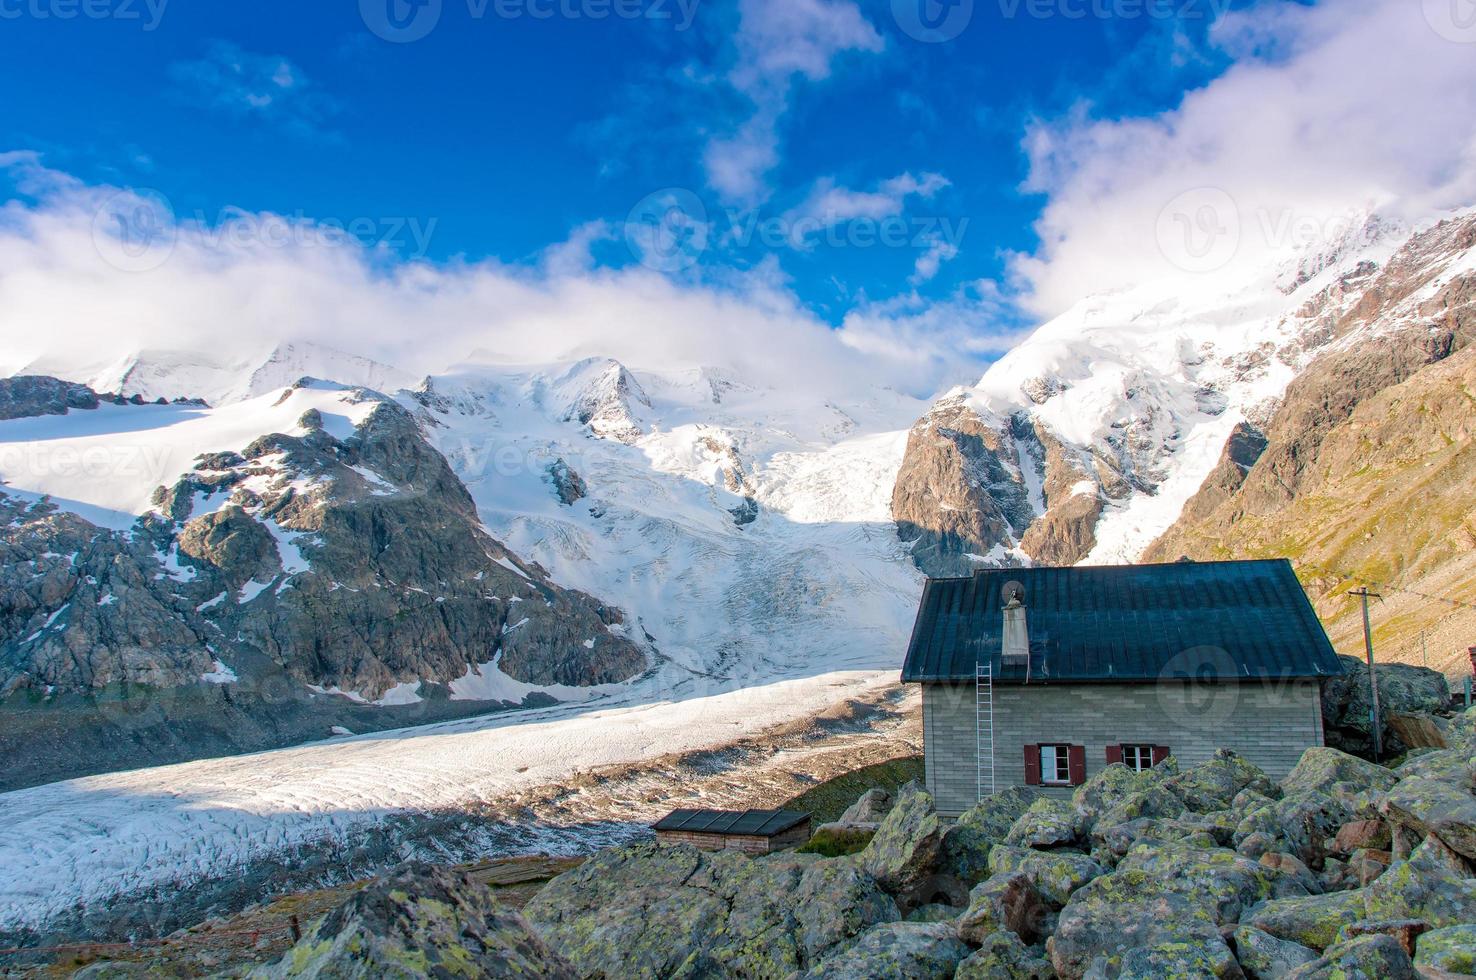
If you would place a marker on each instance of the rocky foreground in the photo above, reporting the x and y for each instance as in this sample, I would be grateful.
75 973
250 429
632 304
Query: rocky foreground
1344 869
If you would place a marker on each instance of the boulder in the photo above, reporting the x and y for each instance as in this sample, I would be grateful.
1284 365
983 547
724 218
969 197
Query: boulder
1312 920
1048 823
900 950
1174 959
1432 806
871 808
1454 766
1217 878
1333 773
1008 902
1362 833
1262 956
1299 824
1055 874
1405 931
1117 840
1434 884
1452 949
1101 792
838 839
1153 801
653 910
966 844
1214 784
936 912
1366 864
417 922
1418 730
908 845
1132 909
1002 956
1288 867
1403 689
1365 958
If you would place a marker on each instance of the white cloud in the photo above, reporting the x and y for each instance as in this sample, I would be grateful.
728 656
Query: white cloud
72 287
939 250
242 83
829 204
778 42
1327 108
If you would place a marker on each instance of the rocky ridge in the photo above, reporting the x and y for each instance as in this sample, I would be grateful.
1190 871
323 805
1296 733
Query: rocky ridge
350 563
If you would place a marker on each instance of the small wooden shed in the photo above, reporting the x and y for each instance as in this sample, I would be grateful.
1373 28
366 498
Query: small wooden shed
750 831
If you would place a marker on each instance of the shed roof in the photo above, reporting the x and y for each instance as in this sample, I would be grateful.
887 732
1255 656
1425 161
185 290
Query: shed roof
1221 620
755 823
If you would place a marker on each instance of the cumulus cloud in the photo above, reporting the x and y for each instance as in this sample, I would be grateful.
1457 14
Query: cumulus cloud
777 43
829 204
95 273
1326 110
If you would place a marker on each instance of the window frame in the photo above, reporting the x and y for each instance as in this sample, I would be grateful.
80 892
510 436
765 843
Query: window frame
1061 752
1142 751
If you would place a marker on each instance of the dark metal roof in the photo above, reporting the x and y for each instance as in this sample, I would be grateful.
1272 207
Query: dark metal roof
1207 620
756 823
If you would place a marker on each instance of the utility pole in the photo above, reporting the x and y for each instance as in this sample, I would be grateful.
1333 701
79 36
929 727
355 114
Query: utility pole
1373 682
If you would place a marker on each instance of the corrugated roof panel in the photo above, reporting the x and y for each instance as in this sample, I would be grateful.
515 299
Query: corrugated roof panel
1125 622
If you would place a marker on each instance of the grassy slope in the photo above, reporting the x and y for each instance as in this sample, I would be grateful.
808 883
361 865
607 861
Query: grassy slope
828 800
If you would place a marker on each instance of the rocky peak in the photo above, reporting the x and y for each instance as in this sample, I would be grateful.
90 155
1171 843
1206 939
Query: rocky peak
28 396
607 398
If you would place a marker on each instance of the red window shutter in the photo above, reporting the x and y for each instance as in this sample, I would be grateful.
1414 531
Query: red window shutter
1114 754
1032 765
1160 752
1077 756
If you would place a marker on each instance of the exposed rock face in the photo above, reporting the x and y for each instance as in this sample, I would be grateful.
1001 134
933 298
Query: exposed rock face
568 485
908 845
657 911
1403 689
420 922
1378 426
28 396
609 400
354 563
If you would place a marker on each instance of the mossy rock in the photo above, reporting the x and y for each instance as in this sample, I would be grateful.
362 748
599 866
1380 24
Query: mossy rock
1452 949
837 840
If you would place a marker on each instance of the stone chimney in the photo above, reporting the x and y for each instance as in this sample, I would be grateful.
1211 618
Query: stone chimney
1016 634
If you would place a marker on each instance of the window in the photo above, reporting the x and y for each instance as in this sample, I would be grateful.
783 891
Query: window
1055 764
1137 757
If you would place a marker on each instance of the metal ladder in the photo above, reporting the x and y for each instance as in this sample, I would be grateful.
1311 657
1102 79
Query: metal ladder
984 727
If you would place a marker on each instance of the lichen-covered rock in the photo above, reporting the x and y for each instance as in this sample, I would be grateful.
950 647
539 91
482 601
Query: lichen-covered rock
1288 867
1002 956
838 839
1007 901
1055 874
1403 689
908 846
1362 833
871 808
967 843
1218 878
1432 806
1207 958
900 950
1153 801
659 911
1114 782
935 912
1330 772
1311 920
1365 958
1299 824
1454 766
420 922
1262 956
1405 931
1214 784
1452 949
1127 910
1049 822
1434 884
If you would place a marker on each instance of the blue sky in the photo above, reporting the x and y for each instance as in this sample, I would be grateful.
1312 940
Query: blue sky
510 132
825 175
